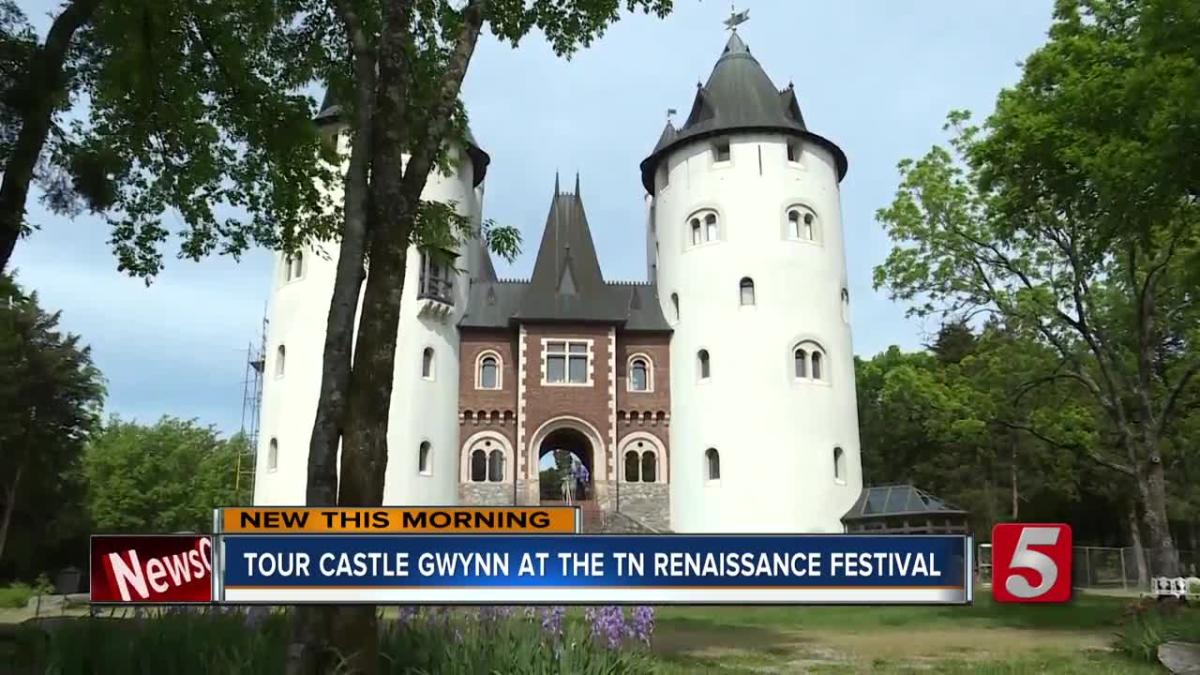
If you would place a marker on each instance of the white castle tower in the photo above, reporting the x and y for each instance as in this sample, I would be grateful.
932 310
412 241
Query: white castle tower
423 440
750 269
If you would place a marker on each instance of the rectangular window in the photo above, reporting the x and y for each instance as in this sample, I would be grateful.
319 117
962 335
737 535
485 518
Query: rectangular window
567 362
721 151
793 152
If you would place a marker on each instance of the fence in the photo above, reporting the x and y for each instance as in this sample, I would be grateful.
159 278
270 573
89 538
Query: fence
1101 567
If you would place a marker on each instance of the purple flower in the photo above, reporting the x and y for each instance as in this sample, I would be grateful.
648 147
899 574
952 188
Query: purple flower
643 624
608 625
407 613
552 618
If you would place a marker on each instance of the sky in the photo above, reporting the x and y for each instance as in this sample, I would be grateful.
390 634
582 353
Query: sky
877 77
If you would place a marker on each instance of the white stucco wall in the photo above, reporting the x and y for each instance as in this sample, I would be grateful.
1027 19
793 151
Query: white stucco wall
775 435
422 409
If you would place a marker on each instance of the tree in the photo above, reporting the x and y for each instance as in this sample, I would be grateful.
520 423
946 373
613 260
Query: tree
405 120
1072 217
188 108
162 478
50 397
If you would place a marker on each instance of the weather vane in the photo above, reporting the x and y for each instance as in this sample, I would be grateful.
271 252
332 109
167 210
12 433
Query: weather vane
736 18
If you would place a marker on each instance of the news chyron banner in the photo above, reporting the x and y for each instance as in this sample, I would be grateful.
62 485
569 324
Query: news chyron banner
537 555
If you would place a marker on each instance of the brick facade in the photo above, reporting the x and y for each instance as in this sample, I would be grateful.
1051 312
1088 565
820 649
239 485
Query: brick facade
525 409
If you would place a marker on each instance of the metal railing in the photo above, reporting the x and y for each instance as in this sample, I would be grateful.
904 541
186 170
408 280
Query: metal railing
1102 567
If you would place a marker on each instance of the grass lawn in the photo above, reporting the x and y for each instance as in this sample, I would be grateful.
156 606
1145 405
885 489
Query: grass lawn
983 638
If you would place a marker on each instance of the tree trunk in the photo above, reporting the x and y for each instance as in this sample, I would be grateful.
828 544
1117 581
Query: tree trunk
1135 541
1152 486
10 505
1012 471
40 90
313 626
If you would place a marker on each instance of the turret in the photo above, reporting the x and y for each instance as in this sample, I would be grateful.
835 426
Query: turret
750 269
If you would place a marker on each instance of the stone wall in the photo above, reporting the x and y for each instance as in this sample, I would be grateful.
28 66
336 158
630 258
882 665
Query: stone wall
485 494
647 503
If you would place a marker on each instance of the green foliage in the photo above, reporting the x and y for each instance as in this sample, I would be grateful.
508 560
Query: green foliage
1148 625
194 111
162 478
16 595
219 643
50 398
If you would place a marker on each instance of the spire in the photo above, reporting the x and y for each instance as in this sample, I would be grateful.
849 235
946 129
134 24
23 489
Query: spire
557 191
577 184
739 96
566 280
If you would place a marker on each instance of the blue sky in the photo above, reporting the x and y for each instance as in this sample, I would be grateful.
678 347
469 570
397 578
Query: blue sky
875 76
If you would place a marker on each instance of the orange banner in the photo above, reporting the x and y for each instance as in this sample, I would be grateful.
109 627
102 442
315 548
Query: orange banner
398 520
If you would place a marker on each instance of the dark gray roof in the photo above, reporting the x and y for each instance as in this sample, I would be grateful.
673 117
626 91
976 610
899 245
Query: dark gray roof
331 113
567 284
739 96
897 500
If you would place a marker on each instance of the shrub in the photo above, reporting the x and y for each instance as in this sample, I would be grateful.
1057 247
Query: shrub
15 595
1148 624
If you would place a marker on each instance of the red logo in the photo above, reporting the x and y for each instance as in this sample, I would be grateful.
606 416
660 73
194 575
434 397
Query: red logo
1031 562
165 568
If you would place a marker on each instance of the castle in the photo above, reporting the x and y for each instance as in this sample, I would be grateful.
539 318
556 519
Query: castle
718 396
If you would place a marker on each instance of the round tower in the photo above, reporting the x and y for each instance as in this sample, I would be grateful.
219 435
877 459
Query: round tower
750 268
423 434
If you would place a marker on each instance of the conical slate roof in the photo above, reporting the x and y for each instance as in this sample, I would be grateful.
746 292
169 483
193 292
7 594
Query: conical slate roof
739 96
331 113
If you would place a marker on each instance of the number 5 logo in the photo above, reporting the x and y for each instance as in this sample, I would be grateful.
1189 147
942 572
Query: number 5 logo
1031 562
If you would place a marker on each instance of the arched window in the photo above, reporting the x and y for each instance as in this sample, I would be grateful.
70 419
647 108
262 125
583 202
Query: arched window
649 467
423 465
297 265
280 359
839 465
489 371
712 459
802 223
631 467
704 227
496 466
808 361
639 374
675 304
801 359
703 364
747 291
273 455
427 363
479 462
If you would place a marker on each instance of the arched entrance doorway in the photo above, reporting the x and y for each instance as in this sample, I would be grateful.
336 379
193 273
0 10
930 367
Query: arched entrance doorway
566 466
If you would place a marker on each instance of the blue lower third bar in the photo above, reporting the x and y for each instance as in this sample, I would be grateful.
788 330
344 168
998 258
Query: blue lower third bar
581 569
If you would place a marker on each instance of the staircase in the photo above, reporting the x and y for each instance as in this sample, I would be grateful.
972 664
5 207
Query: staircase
599 521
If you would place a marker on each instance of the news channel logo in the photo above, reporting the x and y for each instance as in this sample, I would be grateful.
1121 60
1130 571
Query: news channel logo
1031 562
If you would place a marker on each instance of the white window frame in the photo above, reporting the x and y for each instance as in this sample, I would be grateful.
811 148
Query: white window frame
432 364
280 361
840 465
589 365
742 287
708 479
479 370
487 442
293 267
798 236
272 455
649 373
810 347
710 233
425 448
700 376
716 160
